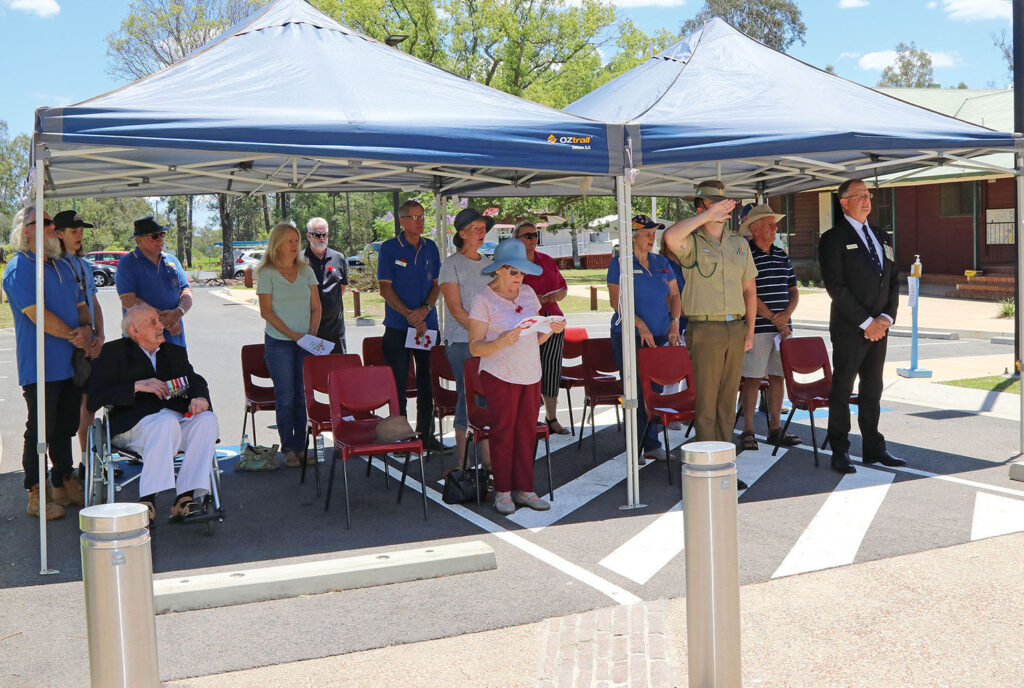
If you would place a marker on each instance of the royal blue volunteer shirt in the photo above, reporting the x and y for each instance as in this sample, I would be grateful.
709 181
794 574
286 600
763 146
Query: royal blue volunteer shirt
411 271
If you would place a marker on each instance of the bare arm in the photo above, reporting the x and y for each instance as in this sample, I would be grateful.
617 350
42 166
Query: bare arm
315 310
641 326
387 292
479 346
553 296
676 236
268 314
55 327
453 299
750 301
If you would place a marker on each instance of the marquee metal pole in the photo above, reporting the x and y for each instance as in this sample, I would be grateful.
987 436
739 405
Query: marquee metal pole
629 372
1018 126
41 360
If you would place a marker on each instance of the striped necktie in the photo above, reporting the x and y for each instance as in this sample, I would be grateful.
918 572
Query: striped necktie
871 247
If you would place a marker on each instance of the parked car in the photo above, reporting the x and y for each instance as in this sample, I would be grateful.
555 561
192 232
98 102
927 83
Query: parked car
106 257
103 275
246 259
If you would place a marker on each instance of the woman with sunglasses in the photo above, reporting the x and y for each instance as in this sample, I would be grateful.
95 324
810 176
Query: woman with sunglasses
290 303
550 288
510 371
461 280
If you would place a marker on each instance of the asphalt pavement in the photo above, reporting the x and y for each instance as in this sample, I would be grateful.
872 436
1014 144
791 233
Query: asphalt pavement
796 523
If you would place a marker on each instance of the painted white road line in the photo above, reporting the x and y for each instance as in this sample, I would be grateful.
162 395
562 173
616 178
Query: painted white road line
834 535
575 493
647 552
996 516
616 593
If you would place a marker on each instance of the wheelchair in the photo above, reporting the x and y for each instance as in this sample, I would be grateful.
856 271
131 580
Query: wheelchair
101 484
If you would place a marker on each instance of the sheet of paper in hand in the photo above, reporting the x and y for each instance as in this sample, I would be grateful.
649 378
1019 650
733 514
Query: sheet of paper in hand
315 345
420 341
177 387
539 324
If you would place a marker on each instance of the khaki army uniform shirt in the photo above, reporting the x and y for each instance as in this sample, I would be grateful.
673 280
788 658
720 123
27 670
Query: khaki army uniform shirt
715 272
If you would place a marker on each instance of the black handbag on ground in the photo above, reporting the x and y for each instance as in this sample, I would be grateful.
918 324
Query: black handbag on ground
460 487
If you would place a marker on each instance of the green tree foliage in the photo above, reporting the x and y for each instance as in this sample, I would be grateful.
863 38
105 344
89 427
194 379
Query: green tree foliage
14 164
544 50
776 23
913 69
113 218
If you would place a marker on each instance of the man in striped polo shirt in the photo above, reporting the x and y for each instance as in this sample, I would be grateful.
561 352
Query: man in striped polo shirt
777 296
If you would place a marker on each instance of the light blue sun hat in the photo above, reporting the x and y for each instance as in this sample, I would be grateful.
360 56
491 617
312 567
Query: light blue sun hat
512 252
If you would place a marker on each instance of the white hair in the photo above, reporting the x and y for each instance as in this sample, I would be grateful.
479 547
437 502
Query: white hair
21 241
132 315
316 222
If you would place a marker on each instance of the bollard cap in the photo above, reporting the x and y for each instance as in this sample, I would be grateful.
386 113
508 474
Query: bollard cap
709 453
113 518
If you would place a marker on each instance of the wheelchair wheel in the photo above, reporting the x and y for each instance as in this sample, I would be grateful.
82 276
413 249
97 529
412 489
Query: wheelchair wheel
96 477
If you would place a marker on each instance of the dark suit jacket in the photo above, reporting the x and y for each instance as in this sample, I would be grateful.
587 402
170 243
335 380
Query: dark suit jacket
121 364
858 291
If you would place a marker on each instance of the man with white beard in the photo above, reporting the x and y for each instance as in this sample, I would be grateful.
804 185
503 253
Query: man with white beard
67 324
331 270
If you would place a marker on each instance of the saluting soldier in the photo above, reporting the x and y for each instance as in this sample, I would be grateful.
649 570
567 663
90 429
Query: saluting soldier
720 301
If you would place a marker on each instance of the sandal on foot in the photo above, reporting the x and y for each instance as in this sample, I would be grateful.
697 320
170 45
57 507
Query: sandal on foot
292 459
184 508
786 441
748 441
556 428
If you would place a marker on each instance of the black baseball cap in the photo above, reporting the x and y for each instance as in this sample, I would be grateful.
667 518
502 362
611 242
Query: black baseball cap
67 219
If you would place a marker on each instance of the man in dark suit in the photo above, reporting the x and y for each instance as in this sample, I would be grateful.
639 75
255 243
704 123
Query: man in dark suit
857 264
160 406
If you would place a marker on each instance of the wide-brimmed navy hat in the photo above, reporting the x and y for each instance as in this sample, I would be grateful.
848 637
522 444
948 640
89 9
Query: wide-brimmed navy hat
642 222
468 215
512 252
145 226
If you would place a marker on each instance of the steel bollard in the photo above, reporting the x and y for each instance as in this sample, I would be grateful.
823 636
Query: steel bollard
712 565
117 571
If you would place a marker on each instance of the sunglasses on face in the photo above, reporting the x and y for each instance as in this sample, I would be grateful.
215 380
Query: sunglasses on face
318 235
512 272
156 236
46 223
414 218
530 235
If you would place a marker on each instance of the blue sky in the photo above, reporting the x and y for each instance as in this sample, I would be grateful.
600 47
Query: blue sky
852 35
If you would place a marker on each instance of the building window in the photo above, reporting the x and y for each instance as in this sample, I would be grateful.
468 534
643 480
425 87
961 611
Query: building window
956 199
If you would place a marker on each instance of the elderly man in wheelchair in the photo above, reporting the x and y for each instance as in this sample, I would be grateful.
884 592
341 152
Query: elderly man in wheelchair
157 406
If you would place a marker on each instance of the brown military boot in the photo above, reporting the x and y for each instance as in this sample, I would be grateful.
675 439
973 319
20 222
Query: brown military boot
53 511
71 493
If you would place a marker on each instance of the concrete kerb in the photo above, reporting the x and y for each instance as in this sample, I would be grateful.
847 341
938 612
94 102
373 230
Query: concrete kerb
226 588
923 334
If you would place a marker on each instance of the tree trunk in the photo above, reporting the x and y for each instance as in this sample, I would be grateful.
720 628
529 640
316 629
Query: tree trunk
575 249
227 258
266 211
179 222
348 216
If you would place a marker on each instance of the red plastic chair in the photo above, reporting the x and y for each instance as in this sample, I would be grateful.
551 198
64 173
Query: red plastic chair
444 399
373 355
354 394
601 384
257 397
666 365
315 373
804 356
479 424
572 376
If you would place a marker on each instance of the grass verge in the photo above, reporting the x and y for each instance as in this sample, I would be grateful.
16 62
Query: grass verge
992 383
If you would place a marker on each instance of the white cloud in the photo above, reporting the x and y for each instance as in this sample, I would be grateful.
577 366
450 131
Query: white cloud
881 59
971 10
942 59
932 5
850 4
44 8
848 56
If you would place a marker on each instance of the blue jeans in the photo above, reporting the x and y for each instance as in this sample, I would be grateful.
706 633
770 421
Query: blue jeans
650 440
284 360
457 354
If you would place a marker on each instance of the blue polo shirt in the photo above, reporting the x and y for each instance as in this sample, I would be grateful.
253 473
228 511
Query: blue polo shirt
82 269
158 284
650 291
61 296
411 271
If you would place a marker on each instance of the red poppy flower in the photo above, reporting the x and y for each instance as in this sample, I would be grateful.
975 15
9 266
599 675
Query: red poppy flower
519 309
330 268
